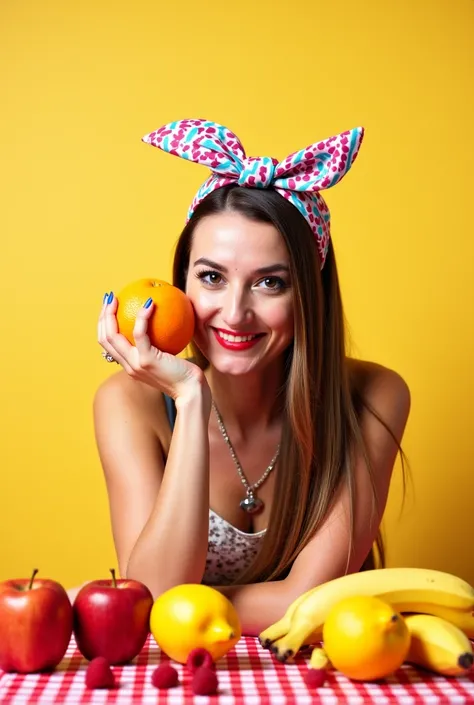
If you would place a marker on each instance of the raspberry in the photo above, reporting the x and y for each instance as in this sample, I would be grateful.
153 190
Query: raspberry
164 676
204 681
99 674
315 677
198 658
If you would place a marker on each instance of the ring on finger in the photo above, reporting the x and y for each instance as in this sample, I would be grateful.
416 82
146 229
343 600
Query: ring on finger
107 356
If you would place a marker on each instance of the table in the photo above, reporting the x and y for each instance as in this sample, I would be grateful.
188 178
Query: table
248 674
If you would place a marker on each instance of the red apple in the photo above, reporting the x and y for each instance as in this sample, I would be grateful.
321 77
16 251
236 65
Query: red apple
112 619
35 624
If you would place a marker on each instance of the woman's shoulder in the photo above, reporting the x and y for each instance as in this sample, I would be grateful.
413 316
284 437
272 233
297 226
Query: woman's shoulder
383 388
377 383
128 396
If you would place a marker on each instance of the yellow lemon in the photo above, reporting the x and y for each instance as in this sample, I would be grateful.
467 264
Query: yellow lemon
193 616
365 638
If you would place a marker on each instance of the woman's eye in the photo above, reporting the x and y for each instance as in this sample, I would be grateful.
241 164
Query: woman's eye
209 277
213 278
273 283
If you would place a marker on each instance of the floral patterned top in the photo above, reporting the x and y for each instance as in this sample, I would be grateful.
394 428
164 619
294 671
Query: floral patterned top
230 551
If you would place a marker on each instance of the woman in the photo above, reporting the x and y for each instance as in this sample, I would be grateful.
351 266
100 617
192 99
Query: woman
262 464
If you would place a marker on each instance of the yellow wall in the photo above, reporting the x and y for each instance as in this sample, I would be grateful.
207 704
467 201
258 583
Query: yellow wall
87 207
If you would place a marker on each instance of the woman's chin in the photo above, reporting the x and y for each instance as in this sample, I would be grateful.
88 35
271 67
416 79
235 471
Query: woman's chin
232 363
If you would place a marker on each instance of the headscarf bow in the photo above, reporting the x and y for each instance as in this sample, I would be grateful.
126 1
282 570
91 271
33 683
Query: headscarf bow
299 178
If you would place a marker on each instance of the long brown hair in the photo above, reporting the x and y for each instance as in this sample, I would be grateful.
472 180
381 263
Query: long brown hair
321 433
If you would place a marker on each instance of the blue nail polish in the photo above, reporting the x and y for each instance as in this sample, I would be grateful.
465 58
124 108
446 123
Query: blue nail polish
148 303
111 297
105 297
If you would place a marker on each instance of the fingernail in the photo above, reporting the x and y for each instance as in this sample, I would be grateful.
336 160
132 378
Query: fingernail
105 297
148 303
111 297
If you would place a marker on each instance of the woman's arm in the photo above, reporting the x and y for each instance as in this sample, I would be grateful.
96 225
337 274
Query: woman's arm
325 557
159 514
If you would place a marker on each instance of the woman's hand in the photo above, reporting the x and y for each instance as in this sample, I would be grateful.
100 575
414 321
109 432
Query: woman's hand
170 374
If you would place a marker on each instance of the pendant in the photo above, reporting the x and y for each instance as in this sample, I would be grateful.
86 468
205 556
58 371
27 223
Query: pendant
251 504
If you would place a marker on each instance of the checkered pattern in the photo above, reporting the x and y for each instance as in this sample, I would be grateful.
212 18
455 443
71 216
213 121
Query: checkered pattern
248 674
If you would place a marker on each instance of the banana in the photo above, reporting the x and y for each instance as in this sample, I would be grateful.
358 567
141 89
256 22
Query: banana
406 589
438 645
462 620
282 627
319 659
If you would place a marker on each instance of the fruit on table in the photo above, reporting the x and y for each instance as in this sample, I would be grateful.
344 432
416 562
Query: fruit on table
460 618
165 676
171 324
205 681
111 619
315 677
282 627
198 658
99 674
192 616
35 624
406 589
319 659
365 638
438 645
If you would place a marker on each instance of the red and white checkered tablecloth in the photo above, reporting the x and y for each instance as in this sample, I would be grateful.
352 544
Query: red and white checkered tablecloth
248 674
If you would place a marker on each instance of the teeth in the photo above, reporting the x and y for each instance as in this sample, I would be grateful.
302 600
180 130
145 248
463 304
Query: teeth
236 338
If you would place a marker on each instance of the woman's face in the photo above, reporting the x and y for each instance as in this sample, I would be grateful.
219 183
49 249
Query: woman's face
239 283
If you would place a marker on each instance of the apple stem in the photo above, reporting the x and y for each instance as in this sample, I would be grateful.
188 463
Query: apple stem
32 578
114 582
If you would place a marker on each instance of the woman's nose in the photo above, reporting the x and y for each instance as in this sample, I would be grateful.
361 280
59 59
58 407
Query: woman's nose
236 308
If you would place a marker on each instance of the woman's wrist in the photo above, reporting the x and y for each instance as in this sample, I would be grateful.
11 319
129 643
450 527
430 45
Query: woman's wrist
195 394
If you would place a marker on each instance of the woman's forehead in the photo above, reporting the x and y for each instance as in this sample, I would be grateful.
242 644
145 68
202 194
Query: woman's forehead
233 236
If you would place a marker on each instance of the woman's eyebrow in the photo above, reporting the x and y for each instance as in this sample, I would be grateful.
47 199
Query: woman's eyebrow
277 267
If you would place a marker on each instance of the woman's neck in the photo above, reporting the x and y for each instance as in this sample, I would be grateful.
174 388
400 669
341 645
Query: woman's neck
250 403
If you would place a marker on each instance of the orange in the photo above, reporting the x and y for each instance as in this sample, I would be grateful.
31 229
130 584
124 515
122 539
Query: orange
170 326
194 616
365 638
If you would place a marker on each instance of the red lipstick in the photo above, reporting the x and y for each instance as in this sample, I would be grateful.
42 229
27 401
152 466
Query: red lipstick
234 344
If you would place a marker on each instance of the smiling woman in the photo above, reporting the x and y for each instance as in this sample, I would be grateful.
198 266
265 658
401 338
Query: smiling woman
267 276
262 464
243 292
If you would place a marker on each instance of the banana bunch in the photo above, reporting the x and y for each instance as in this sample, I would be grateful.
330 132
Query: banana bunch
408 590
438 645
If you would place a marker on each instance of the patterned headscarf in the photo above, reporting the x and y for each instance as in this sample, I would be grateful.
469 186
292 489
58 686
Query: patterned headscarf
299 178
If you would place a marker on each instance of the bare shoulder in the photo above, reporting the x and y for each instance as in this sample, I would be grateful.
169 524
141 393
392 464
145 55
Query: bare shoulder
123 389
384 390
124 395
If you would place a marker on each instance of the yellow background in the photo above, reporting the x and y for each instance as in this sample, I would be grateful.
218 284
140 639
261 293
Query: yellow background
87 207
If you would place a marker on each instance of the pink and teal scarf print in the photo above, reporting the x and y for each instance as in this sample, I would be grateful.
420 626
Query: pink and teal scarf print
299 177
